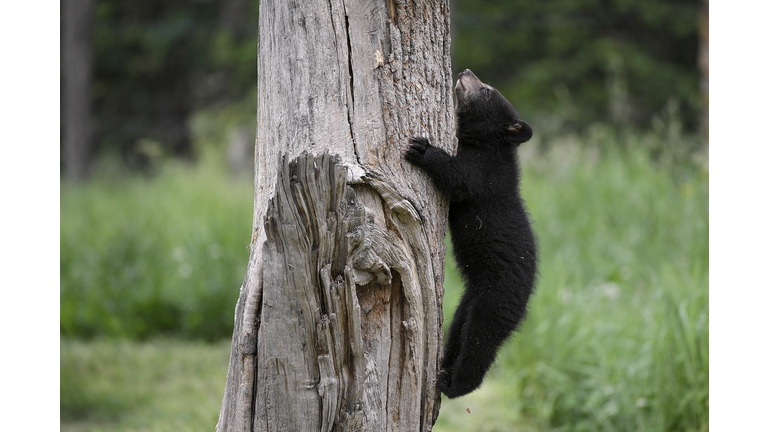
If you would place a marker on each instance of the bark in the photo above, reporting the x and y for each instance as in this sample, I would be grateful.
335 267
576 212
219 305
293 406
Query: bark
77 74
338 324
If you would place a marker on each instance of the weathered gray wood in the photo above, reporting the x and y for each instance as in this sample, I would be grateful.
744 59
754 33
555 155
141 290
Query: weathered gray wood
338 324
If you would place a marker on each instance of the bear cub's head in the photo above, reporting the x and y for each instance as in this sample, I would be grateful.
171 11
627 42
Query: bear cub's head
483 114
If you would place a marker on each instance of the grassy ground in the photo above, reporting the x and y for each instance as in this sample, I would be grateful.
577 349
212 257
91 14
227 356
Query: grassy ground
161 256
616 338
617 334
158 386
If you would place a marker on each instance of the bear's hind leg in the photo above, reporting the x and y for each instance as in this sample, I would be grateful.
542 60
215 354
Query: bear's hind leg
452 347
487 325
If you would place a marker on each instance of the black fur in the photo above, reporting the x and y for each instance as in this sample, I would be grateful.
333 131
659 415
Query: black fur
493 242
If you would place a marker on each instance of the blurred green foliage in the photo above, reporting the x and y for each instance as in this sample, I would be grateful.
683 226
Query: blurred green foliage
566 63
580 61
157 62
163 385
617 336
142 257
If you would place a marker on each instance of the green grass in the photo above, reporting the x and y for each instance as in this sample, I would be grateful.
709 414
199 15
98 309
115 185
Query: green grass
144 257
164 385
617 334
616 338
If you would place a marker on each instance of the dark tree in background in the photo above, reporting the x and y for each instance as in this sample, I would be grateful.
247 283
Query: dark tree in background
156 62
704 64
147 54
76 54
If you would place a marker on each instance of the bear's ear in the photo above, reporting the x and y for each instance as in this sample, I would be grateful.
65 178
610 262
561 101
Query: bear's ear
521 132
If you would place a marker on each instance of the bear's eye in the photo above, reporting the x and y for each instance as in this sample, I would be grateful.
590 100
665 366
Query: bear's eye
486 91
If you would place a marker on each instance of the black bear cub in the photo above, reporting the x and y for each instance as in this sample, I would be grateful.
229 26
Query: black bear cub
493 242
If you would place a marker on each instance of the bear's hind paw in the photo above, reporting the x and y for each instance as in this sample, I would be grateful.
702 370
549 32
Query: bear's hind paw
443 381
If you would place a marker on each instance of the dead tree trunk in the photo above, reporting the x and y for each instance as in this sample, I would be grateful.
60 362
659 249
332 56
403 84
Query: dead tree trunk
338 324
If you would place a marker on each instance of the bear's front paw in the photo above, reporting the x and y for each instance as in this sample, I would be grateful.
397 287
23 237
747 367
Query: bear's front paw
417 147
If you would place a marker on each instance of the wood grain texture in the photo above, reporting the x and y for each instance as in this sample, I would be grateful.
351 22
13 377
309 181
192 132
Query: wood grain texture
338 324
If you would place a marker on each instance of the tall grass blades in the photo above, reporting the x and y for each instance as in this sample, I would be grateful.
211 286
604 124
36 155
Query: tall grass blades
616 337
617 332
681 362
146 257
